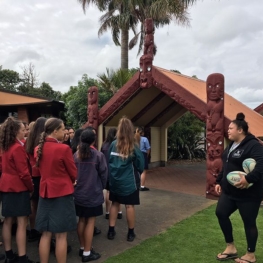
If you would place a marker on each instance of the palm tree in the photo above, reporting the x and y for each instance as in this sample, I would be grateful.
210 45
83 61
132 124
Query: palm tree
122 15
119 19
112 81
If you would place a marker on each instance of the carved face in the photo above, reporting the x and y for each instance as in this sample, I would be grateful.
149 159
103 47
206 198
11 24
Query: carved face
146 80
215 86
215 145
92 95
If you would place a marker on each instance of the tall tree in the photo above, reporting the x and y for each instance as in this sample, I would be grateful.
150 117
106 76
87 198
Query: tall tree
9 79
124 15
76 102
113 80
29 78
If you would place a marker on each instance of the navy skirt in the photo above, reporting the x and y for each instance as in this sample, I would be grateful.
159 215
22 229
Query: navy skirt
132 199
16 204
87 212
56 215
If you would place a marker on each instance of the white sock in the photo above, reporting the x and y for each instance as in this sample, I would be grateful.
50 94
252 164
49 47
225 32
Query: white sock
86 253
142 186
82 248
107 213
120 212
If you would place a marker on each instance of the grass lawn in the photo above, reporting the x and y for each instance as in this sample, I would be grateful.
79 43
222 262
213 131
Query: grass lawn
196 239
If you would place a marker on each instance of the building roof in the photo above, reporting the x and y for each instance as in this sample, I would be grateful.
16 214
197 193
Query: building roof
11 98
182 92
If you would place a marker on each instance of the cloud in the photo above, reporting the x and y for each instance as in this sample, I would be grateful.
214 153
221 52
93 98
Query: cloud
63 44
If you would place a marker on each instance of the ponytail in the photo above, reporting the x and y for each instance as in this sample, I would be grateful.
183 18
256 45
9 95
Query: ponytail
40 147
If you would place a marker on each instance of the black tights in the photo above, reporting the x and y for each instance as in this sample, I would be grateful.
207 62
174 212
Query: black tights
248 211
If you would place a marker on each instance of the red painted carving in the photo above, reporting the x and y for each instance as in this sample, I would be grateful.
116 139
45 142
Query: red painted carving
146 59
120 97
186 103
214 130
93 107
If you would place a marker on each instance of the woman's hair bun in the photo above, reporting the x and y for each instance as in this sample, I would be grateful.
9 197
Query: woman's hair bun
240 116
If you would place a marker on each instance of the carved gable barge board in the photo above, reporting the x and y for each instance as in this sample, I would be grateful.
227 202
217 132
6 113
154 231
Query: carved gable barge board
182 96
161 114
119 98
123 105
148 107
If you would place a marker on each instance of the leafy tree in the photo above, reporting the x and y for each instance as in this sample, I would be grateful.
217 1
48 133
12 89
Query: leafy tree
185 137
112 80
9 79
29 79
46 90
76 102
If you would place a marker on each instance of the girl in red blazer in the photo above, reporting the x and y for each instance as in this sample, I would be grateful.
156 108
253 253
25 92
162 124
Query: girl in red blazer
56 209
31 142
16 186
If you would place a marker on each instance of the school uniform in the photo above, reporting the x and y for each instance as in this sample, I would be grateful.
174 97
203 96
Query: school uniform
56 211
35 176
16 182
91 180
145 147
125 176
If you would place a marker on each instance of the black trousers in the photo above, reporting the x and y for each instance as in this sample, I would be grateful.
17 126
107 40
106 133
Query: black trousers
248 211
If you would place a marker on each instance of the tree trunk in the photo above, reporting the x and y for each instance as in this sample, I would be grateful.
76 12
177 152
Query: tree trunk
124 48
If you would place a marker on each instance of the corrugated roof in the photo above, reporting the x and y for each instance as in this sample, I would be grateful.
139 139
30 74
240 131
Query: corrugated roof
232 106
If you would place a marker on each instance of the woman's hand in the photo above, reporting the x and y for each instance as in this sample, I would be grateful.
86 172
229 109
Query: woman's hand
242 184
218 189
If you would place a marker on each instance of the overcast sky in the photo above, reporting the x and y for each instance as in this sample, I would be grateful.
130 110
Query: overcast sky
225 36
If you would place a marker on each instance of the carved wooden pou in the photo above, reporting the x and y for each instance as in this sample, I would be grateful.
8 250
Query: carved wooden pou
214 130
93 107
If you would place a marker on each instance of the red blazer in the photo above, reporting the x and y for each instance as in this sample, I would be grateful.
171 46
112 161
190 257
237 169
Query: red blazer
57 169
15 170
35 170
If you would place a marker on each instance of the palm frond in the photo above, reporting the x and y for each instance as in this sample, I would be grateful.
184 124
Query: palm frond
134 41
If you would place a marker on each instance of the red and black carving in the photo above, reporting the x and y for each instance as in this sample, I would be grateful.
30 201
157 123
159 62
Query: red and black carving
214 130
93 107
146 59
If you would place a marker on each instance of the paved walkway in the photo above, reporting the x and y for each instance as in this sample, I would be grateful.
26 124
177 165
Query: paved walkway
177 192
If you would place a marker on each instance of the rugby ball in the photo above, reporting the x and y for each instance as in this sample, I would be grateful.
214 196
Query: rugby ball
235 176
248 165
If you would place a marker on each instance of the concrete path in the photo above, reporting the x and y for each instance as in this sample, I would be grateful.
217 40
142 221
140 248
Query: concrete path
159 210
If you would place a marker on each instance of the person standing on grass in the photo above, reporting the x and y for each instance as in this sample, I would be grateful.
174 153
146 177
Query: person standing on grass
56 209
15 186
31 143
126 163
145 148
238 196
88 195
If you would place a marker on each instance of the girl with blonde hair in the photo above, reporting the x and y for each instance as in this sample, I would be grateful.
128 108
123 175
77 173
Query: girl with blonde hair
126 163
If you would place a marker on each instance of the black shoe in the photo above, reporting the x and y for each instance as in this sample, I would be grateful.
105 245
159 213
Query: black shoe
119 216
13 259
144 189
34 235
91 257
111 235
130 237
2 257
81 252
96 231
91 251
107 216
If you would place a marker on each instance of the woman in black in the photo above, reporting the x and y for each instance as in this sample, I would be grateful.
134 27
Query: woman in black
247 200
